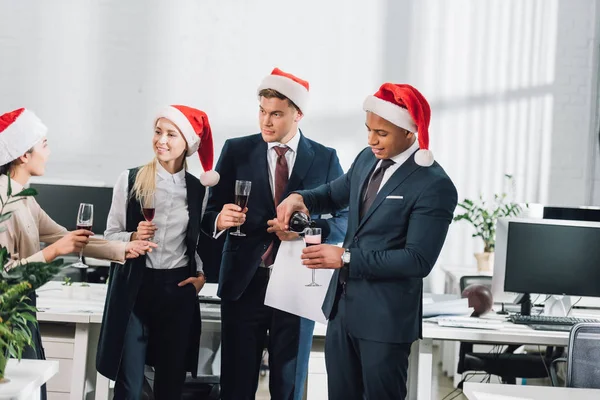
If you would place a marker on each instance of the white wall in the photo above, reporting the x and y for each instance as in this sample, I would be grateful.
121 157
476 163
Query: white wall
513 84
96 71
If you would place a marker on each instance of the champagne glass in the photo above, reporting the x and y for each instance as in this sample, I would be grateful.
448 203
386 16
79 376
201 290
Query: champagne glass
312 237
85 220
148 209
242 192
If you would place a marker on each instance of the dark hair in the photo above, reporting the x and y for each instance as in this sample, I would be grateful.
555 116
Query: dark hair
270 93
4 169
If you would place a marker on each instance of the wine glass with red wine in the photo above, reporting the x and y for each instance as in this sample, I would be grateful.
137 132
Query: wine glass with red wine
242 193
312 237
85 220
148 208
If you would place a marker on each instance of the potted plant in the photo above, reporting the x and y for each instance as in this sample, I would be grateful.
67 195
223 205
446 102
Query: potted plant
483 217
16 283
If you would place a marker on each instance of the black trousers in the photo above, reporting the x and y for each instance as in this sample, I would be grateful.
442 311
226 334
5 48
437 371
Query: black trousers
360 369
245 323
36 351
161 318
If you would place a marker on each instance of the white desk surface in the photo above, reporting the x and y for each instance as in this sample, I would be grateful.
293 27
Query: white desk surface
511 334
77 304
85 304
26 377
486 391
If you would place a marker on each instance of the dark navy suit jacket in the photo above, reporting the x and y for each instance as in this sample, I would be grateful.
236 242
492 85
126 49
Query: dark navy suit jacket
245 158
393 247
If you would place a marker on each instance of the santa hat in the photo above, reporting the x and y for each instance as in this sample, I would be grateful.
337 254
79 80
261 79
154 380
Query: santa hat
288 85
20 130
195 128
406 107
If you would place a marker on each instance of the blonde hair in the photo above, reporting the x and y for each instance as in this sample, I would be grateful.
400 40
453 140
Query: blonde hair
145 180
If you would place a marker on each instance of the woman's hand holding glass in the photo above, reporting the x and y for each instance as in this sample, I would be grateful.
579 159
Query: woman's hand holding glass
145 231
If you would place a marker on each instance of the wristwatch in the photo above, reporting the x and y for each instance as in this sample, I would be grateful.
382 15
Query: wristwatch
346 257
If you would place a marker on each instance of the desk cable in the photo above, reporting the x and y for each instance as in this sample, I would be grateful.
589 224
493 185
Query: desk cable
573 305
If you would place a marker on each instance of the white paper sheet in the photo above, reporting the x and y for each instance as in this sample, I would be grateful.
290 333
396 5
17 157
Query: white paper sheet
493 396
448 307
287 290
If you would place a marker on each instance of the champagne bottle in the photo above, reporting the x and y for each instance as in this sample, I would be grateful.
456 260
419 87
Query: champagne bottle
300 221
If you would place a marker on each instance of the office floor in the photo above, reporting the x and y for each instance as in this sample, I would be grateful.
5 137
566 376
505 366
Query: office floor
442 385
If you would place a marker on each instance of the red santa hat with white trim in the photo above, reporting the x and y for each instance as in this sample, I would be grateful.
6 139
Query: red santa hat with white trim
20 130
405 107
290 86
195 128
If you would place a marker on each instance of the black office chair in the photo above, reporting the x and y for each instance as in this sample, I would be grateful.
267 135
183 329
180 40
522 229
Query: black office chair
583 360
507 365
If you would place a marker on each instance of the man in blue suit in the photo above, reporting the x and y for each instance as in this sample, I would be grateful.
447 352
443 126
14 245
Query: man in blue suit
277 161
401 203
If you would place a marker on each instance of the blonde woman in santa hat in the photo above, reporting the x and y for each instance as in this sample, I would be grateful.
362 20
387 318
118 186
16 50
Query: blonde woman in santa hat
151 314
401 203
24 152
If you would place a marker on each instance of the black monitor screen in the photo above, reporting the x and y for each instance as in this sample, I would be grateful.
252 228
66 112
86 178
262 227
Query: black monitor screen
573 214
553 259
61 203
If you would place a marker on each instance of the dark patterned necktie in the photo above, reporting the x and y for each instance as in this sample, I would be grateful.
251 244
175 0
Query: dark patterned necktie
373 187
281 180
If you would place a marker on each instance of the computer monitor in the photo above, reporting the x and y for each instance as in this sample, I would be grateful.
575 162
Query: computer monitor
61 203
548 257
572 213
499 263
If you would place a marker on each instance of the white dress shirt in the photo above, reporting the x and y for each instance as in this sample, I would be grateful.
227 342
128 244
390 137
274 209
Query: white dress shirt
398 161
290 157
171 219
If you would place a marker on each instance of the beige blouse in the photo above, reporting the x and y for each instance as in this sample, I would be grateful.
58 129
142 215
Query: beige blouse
29 225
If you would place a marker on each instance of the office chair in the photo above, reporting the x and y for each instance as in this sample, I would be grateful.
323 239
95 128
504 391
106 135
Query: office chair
583 360
507 365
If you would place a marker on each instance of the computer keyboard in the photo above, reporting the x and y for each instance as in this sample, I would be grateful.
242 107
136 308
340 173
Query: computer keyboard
547 327
547 320
469 322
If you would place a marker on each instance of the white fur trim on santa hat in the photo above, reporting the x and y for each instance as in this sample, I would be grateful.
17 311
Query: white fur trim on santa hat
395 114
184 125
210 178
424 158
287 87
20 136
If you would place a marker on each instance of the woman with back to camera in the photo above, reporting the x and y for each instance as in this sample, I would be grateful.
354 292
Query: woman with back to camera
24 152
151 314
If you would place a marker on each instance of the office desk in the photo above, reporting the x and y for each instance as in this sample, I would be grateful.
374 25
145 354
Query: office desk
486 391
25 379
78 311
421 359
70 318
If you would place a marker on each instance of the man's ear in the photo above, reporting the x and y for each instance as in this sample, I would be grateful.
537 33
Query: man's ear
298 116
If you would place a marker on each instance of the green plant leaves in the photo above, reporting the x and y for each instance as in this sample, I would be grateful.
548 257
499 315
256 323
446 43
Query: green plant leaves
483 216
16 311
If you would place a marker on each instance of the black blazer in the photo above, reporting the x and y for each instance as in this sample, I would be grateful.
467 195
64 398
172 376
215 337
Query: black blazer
393 247
245 158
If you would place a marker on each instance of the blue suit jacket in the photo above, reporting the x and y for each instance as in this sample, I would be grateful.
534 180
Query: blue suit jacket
392 248
245 158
